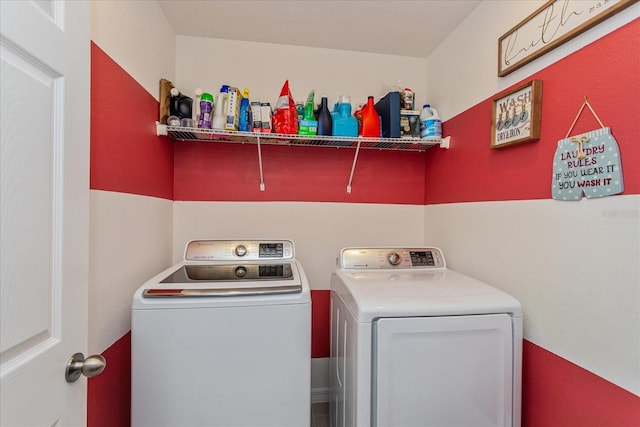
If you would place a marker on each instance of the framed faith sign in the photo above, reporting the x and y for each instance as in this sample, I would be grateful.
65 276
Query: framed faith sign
556 22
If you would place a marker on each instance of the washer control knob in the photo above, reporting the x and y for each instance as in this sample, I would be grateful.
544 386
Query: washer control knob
241 271
394 258
241 250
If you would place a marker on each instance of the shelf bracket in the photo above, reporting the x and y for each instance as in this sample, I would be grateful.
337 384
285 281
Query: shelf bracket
161 130
353 167
260 164
444 142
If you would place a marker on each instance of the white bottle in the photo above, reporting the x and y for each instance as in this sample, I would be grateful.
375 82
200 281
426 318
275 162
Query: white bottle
220 109
196 106
430 124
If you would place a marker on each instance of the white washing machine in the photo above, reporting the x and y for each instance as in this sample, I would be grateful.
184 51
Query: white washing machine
414 344
223 339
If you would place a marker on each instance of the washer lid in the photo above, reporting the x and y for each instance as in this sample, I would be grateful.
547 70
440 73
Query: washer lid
372 294
220 284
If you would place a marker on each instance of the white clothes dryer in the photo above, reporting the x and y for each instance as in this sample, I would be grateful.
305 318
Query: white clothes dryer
223 338
414 344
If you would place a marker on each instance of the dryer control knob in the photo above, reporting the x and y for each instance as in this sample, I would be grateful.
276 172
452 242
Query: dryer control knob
241 250
241 272
394 258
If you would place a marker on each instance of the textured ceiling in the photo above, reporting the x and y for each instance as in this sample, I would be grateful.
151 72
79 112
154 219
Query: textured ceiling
406 28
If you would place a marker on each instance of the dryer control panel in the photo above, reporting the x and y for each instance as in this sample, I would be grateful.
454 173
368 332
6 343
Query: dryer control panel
391 257
238 250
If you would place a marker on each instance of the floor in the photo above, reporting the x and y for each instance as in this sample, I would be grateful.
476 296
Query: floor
320 414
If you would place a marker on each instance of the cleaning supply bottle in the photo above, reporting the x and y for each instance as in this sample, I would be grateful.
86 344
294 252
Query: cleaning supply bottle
358 115
344 124
180 105
308 125
206 108
325 122
196 106
220 110
370 120
244 121
430 124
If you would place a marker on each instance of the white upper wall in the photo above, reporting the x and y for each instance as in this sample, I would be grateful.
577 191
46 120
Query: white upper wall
579 289
463 71
263 68
136 35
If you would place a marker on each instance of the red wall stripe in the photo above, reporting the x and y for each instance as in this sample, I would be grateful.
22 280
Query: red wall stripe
320 323
605 71
558 393
230 172
109 394
126 154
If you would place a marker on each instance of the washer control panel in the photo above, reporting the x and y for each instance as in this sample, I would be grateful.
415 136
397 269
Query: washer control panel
234 250
392 257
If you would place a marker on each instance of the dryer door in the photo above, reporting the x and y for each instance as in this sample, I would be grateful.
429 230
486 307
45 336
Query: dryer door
443 371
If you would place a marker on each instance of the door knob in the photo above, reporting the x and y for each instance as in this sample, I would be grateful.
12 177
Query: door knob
90 367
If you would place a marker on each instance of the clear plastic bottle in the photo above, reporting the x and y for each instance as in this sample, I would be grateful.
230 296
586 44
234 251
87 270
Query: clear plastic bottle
430 124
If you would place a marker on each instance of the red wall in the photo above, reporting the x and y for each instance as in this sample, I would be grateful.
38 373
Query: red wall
230 172
606 72
126 156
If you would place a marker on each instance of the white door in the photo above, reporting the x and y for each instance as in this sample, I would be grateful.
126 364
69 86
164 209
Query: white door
444 371
44 209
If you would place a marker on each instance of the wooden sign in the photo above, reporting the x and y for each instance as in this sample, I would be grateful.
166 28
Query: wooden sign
551 25
515 117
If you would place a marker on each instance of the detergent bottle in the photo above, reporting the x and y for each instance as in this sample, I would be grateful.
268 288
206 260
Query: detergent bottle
325 122
370 120
195 113
206 107
345 124
220 109
430 124
244 121
180 105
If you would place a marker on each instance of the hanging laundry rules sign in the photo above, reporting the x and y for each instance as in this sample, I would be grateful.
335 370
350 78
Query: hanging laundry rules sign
587 164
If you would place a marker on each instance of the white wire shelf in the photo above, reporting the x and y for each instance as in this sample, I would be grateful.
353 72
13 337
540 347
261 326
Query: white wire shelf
178 133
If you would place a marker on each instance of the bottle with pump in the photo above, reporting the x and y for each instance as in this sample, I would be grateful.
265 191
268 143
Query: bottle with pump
370 120
220 110
244 121
430 124
325 122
